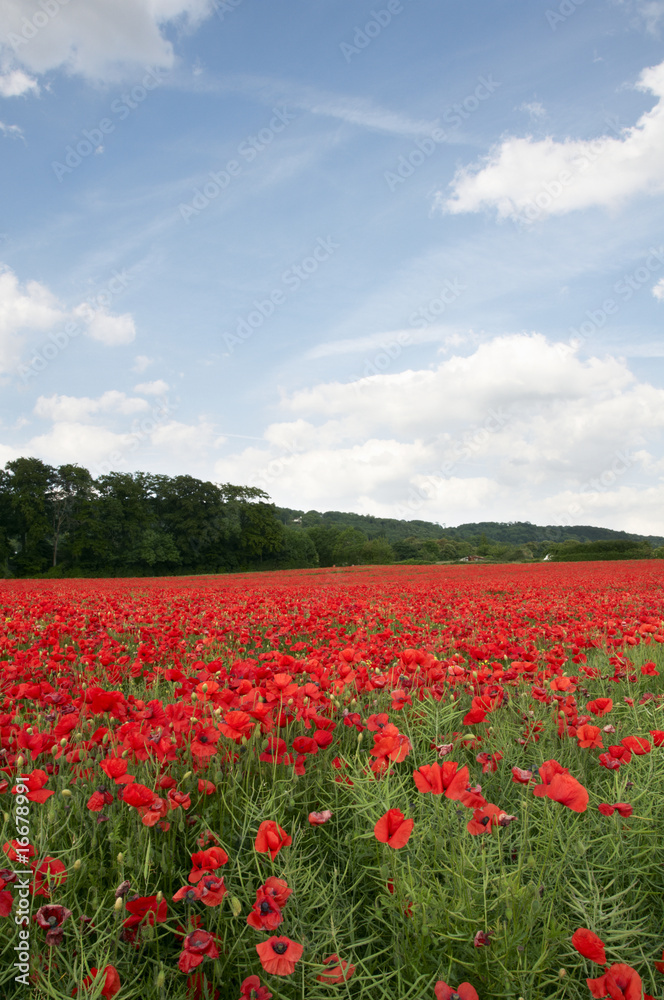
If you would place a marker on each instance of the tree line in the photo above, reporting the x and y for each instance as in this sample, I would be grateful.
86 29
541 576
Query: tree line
61 521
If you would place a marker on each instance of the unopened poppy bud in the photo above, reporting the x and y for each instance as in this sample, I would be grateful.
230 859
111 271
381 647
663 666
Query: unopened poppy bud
66 793
77 864
186 775
63 742
119 903
193 719
359 737
29 730
204 688
161 979
124 754
562 973
120 858
236 906
160 896
194 696
5 816
20 761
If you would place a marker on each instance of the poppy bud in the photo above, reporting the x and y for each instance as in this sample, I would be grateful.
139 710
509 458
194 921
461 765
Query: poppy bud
160 896
204 688
193 719
186 775
562 973
161 979
359 737
5 816
63 742
194 696
20 761
124 754
29 730
120 858
66 792
119 903
77 864
236 906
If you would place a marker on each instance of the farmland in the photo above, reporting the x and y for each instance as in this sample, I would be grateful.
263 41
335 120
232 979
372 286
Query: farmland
381 782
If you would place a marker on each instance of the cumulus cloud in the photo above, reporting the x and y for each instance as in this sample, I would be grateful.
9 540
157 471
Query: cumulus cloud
71 409
11 131
658 290
528 179
98 39
30 309
16 83
498 433
156 388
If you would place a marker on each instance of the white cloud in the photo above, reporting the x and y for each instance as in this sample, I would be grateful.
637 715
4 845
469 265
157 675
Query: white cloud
98 39
658 290
13 131
141 363
533 108
498 433
31 309
16 82
86 444
528 178
74 409
156 388
107 329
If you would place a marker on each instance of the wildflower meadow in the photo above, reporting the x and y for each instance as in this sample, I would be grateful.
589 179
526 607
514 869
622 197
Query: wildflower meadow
384 783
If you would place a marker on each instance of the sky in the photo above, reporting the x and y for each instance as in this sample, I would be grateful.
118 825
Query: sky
403 259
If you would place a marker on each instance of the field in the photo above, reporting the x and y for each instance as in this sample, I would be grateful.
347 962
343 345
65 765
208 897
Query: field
421 782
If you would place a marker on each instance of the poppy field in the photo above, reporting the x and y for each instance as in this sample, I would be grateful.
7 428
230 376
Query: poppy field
384 783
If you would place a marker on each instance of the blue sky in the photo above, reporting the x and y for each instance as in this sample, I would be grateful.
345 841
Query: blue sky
403 258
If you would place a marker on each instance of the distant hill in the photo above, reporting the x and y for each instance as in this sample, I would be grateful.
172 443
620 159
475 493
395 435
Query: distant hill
481 532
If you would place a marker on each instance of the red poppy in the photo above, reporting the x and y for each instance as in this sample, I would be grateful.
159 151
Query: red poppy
637 744
318 818
51 918
279 955
464 991
589 945
660 965
196 947
271 838
206 862
206 787
138 795
146 906
266 913
445 778
623 808
620 982
251 989
522 775
339 973
600 706
484 819
212 890
49 874
394 829
112 982
99 799
547 772
589 736
35 783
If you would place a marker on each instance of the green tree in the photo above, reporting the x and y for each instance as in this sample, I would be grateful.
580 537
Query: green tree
29 484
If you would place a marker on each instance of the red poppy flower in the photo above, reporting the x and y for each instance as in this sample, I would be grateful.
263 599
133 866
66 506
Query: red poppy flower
51 918
600 706
146 906
657 737
620 982
623 808
445 778
589 945
522 775
318 818
206 862
339 973
99 799
637 744
394 829
660 965
279 955
266 914
278 890
49 874
464 991
196 947
237 726
35 783
568 791
252 990
589 736
112 982
138 795
484 819
206 787
212 890
271 838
